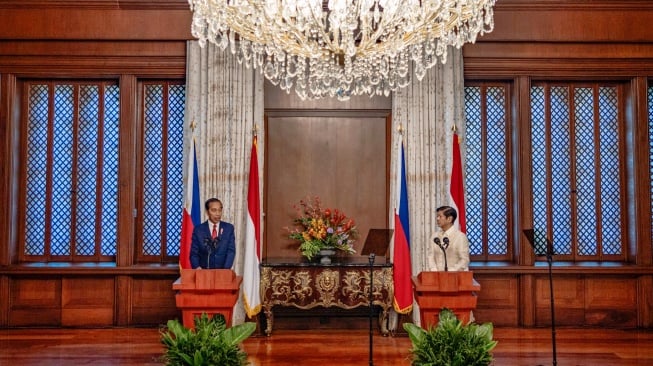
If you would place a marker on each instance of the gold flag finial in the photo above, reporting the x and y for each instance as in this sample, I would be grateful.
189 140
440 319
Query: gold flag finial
400 129
453 128
192 125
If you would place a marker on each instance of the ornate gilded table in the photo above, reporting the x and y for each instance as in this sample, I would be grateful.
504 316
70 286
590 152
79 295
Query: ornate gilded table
345 284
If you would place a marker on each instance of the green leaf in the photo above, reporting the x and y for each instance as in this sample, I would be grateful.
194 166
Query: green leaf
451 343
211 343
415 333
239 333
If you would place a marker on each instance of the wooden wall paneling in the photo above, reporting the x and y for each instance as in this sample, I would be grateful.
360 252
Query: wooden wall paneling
571 20
4 301
87 301
497 301
339 156
127 171
153 301
5 149
640 250
77 59
645 301
610 61
95 24
9 127
35 302
123 302
526 297
610 301
568 296
522 127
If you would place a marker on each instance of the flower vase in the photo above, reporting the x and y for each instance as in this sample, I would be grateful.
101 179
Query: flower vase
326 255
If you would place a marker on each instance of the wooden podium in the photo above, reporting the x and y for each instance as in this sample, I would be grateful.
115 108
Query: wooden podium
210 291
452 290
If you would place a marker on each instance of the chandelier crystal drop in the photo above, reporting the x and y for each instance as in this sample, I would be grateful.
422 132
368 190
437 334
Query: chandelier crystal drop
339 48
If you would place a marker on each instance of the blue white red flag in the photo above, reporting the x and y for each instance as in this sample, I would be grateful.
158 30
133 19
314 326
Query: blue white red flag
403 296
192 214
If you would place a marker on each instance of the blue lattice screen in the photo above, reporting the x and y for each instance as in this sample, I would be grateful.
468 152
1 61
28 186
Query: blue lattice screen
163 184
576 195
485 170
71 171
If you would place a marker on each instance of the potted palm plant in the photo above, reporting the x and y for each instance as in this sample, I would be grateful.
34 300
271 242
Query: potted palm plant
451 343
210 343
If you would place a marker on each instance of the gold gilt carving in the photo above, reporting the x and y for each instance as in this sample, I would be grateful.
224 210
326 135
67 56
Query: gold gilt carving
302 286
327 284
352 288
343 287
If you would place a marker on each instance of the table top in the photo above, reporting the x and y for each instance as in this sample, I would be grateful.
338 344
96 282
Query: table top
349 261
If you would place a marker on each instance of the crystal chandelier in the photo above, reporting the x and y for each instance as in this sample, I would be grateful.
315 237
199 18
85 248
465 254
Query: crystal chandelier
339 48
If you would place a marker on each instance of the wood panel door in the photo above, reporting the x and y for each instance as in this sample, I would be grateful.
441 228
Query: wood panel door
340 156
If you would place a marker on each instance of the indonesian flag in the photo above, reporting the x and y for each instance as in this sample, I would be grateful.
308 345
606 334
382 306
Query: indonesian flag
457 187
251 275
192 213
403 297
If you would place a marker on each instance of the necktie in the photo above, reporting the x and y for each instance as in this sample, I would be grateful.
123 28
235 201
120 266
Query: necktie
214 233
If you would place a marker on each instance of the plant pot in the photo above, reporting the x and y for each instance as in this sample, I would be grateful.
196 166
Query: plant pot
326 255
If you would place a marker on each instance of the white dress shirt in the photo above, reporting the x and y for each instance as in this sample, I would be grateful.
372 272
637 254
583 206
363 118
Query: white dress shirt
457 252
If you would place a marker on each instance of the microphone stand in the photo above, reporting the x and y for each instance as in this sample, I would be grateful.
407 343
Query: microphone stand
371 305
549 259
211 245
444 249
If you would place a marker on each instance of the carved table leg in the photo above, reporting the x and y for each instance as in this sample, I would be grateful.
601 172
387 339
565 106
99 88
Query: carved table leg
269 319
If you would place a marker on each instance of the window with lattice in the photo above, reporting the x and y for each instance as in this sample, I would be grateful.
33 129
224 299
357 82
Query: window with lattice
161 200
578 169
487 173
71 171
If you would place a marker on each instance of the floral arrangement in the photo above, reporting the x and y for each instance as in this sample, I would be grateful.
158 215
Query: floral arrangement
322 229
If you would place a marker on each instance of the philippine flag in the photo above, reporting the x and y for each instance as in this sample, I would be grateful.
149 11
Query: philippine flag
403 301
192 213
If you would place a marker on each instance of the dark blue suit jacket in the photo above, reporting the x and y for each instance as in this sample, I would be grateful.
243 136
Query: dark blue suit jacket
210 253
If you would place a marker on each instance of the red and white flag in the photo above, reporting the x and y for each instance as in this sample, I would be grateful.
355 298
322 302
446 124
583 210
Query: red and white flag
401 275
457 186
251 274
191 215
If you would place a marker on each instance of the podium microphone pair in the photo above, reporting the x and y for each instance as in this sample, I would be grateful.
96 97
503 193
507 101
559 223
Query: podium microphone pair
444 245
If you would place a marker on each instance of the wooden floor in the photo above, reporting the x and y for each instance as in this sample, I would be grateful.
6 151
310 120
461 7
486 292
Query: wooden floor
140 346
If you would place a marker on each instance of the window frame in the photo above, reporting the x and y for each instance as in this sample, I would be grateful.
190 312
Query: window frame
621 90
509 194
47 255
139 203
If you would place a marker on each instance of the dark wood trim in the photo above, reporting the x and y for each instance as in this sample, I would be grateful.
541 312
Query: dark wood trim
85 269
645 299
521 106
96 24
127 171
123 309
596 268
640 253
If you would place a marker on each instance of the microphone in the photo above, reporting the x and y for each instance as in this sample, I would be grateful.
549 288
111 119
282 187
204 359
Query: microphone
444 247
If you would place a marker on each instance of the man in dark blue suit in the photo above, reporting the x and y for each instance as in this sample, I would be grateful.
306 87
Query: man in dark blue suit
214 243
